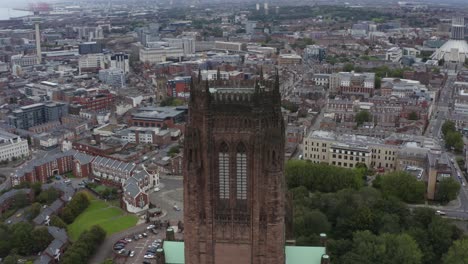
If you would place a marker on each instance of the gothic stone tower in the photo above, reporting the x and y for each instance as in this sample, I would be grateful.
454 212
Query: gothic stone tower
234 189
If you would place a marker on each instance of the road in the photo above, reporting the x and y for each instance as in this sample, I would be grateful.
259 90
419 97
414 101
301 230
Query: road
171 193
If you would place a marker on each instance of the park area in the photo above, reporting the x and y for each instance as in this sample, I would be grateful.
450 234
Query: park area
112 219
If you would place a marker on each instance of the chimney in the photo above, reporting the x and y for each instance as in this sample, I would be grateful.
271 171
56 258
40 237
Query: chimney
160 257
325 259
323 239
170 234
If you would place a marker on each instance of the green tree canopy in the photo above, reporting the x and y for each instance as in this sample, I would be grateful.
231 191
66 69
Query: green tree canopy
447 190
448 126
321 177
386 249
362 117
404 186
458 253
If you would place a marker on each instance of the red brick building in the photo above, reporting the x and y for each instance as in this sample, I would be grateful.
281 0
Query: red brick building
234 198
40 170
100 100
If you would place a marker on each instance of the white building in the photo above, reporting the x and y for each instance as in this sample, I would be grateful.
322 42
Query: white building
120 61
321 79
186 44
24 60
160 54
92 61
114 77
230 46
12 146
394 54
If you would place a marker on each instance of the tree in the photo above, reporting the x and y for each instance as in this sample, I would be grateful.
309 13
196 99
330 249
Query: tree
454 140
378 82
413 116
48 196
404 186
348 67
36 187
386 249
447 190
174 150
458 253
21 200
363 116
308 222
33 211
41 238
57 221
22 239
10 259
448 126
321 177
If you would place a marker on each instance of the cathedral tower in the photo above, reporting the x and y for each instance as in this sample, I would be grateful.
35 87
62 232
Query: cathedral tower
234 187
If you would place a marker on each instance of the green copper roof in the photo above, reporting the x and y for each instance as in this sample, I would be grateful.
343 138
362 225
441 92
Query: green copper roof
174 253
304 255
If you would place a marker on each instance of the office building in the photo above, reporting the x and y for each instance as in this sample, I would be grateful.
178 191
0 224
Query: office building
91 62
160 54
36 114
90 48
186 44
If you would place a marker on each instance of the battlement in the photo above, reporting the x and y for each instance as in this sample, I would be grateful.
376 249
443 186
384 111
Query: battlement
236 92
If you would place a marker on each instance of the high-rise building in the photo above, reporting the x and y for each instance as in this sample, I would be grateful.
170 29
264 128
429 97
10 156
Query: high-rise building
458 28
234 189
90 48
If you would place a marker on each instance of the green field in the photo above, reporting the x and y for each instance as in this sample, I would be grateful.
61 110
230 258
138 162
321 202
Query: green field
111 219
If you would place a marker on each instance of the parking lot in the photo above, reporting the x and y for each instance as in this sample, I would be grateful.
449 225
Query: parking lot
140 246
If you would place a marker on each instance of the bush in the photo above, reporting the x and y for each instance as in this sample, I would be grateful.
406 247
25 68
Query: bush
48 196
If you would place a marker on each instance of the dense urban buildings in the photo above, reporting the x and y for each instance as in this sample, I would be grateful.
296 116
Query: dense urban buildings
233 132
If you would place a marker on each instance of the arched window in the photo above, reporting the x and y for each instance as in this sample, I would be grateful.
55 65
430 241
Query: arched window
241 172
223 160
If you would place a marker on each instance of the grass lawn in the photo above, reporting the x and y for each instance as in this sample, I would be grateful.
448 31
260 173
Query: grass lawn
111 219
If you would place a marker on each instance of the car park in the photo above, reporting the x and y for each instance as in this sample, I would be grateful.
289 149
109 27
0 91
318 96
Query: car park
136 237
148 256
146 262
154 231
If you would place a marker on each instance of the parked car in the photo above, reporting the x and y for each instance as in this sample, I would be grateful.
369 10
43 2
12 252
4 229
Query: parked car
148 256
146 262
154 231
144 235
136 237
132 253
150 227
140 236
128 240
438 212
